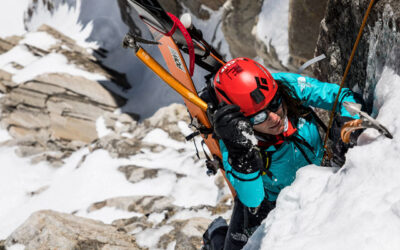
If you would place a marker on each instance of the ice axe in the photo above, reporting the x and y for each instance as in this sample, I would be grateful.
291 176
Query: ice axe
365 121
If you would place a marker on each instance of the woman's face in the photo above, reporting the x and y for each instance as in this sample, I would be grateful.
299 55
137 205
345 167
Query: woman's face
274 124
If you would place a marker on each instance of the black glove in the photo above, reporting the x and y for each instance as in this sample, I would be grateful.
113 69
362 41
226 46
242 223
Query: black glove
230 126
234 130
339 148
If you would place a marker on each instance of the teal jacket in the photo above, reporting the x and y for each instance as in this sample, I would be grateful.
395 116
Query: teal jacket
252 188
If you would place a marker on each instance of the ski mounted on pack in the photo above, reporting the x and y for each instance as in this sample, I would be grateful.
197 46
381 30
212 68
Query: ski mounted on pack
171 37
188 39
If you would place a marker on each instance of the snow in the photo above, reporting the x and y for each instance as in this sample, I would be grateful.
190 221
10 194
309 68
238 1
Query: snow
358 204
160 137
20 55
12 18
173 159
41 40
171 246
34 65
272 27
69 188
150 237
16 247
186 214
52 63
157 217
65 19
72 188
211 28
183 192
204 213
108 214
4 135
101 128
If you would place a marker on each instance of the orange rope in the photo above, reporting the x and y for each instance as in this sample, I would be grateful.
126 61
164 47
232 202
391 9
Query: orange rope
353 52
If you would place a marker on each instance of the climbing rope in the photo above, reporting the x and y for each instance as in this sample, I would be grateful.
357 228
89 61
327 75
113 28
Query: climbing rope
345 75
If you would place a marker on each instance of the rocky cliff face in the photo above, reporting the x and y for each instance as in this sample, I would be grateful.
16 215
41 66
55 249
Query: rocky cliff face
51 115
304 23
52 230
57 111
238 20
158 219
378 47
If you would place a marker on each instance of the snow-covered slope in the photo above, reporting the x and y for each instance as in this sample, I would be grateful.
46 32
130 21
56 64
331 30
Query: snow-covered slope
26 188
355 207
88 176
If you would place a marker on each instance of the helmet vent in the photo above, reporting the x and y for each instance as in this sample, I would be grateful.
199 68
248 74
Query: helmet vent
224 95
262 69
217 79
257 95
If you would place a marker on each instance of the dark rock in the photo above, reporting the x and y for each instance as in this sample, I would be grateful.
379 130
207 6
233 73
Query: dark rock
172 6
338 34
135 174
304 23
133 225
118 146
196 7
139 204
5 46
166 118
187 234
238 20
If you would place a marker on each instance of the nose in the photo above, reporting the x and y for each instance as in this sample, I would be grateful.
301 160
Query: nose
273 117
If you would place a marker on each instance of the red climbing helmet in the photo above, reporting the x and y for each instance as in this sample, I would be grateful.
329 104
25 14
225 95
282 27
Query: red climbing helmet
246 83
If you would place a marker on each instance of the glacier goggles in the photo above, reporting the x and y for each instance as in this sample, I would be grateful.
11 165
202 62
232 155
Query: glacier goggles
273 106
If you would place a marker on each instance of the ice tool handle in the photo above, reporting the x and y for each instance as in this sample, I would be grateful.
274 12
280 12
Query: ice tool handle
366 121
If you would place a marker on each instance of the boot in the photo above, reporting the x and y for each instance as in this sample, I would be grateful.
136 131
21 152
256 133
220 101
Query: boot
214 236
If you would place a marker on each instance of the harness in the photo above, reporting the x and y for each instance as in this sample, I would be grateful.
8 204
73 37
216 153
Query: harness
290 135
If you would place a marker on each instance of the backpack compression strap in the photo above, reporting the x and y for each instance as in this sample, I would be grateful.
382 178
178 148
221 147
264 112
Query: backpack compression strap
178 24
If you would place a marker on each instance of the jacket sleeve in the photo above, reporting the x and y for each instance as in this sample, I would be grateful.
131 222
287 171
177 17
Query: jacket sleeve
316 93
249 187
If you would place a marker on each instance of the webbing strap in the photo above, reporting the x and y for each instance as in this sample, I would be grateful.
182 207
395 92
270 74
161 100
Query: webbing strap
302 152
241 179
178 24
310 62
173 29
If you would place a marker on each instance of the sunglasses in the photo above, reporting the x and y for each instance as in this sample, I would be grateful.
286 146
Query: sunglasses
273 106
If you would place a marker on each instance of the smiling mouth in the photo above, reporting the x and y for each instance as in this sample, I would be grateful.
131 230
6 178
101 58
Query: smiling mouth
275 126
